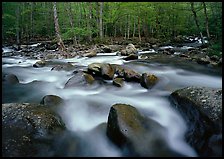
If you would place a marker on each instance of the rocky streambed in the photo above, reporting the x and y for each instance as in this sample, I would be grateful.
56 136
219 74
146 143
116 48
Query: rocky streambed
110 102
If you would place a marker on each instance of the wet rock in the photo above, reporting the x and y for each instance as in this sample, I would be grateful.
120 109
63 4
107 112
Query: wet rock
201 107
131 57
107 71
130 49
95 68
80 79
104 70
214 58
65 67
11 79
119 70
131 75
148 80
203 61
39 64
135 134
220 62
106 49
92 53
51 56
118 82
52 100
29 129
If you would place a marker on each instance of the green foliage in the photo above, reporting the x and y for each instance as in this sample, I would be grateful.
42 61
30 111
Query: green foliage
158 19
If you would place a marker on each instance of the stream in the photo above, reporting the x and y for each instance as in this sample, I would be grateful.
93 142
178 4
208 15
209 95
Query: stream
86 108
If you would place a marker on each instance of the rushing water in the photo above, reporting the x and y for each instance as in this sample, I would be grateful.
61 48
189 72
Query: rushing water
86 108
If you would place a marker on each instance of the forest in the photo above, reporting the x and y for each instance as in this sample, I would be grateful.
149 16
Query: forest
89 22
112 79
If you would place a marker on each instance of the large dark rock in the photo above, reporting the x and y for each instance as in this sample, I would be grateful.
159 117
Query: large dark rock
29 130
201 107
148 80
203 61
103 70
52 101
131 75
11 79
65 67
135 134
131 57
80 79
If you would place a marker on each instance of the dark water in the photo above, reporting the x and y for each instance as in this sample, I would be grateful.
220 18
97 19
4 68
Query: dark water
86 108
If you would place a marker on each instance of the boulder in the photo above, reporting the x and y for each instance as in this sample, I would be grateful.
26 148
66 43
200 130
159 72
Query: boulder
65 67
80 79
11 79
92 53
135 134
131 57
52 100
214 58
131 75
94 68
39 64
119 82
28 130
130 49
107 71
201 107
203 61
148 80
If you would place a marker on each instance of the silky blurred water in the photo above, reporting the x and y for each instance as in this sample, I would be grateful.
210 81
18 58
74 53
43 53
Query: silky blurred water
87 108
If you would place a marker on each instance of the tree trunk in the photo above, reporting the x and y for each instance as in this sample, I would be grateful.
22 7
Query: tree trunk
17 25
57 30
69 11
90 21
139 29
101 20
206 20
31 19
134 28
128 21
196 21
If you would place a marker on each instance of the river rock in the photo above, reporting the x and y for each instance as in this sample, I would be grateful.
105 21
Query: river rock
92 53
131 75
119 82
52 100
131 57
130 49
148 80
39 64
203 61
107 71
94 68
135 134
65 67
11 79
214 58
29 129
80 79
201 107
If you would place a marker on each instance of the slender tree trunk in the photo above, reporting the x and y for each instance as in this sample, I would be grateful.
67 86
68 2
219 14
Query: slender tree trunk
17 25
196 21
101 20
139 29
90 21
206 20
31 19
134 28
57 29
128 20
69 11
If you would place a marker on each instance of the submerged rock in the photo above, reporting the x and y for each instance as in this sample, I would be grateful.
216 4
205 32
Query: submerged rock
65 67
29 129
80 79
202 109
148 80
52 100
11 79
131 57
135 134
